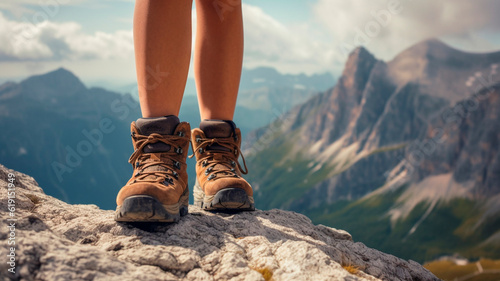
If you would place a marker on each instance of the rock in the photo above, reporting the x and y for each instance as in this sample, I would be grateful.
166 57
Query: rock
58 241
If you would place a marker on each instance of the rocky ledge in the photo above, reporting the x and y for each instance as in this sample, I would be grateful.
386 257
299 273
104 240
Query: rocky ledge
58 241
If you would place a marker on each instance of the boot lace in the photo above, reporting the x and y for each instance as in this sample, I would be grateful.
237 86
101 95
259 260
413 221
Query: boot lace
160 171
228 157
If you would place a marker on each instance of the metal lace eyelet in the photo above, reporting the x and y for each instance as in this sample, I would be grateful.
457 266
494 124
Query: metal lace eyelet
168 181
137 174
204 163
177 165
137 164
181 134
211 177
233 170
200 150
176 175
233 163
198 139
208 170
178 150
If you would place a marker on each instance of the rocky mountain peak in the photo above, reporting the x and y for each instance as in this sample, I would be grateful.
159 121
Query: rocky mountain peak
359 57
360 130
357 68
59 241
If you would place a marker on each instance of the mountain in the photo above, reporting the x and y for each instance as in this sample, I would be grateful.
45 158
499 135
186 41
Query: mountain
58 241
75 140
269 77
264 94
406 148
266 88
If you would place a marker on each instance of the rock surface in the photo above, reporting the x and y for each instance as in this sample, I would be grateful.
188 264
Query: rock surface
59 241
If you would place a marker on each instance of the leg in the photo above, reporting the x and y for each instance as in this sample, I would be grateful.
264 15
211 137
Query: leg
218 57
162 41
157 190
216 144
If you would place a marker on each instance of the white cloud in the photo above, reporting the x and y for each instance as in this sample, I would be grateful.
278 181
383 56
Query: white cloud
309 46
289 48
31 7
22 40
401 23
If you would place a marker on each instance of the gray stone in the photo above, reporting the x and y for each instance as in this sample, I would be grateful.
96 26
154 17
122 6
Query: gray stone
59 241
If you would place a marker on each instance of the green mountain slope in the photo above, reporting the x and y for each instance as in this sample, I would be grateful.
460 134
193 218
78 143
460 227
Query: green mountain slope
403 154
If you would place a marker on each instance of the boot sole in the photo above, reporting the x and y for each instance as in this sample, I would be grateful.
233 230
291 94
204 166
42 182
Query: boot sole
227 199
145 208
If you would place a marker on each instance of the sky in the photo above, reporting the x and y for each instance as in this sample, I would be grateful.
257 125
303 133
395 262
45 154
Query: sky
93 38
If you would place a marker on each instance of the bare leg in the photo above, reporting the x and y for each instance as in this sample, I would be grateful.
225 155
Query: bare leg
218 57
162 41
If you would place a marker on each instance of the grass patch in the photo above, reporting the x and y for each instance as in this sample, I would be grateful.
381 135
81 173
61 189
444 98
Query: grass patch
291 175
33 198
352 269
443 232
387 148
448 270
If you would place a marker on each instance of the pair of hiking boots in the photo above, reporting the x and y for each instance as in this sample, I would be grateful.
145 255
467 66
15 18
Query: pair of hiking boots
158 191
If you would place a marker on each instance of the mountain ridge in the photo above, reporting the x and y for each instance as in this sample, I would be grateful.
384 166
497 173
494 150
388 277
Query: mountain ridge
372 128
76 141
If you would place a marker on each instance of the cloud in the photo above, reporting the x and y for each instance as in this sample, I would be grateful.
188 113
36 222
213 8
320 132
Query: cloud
385 27
388 26
27 41
30 7
289 48
268 42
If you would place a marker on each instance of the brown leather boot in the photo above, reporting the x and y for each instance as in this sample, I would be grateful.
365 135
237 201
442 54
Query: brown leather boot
219 185
157 191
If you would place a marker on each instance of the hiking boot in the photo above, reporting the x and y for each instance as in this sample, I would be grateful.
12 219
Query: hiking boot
157 191
219 185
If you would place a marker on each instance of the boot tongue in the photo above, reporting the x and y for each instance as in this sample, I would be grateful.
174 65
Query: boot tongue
164 125
217 129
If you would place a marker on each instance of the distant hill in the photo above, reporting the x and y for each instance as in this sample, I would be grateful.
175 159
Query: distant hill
403 154
76 141
72 139
263 88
